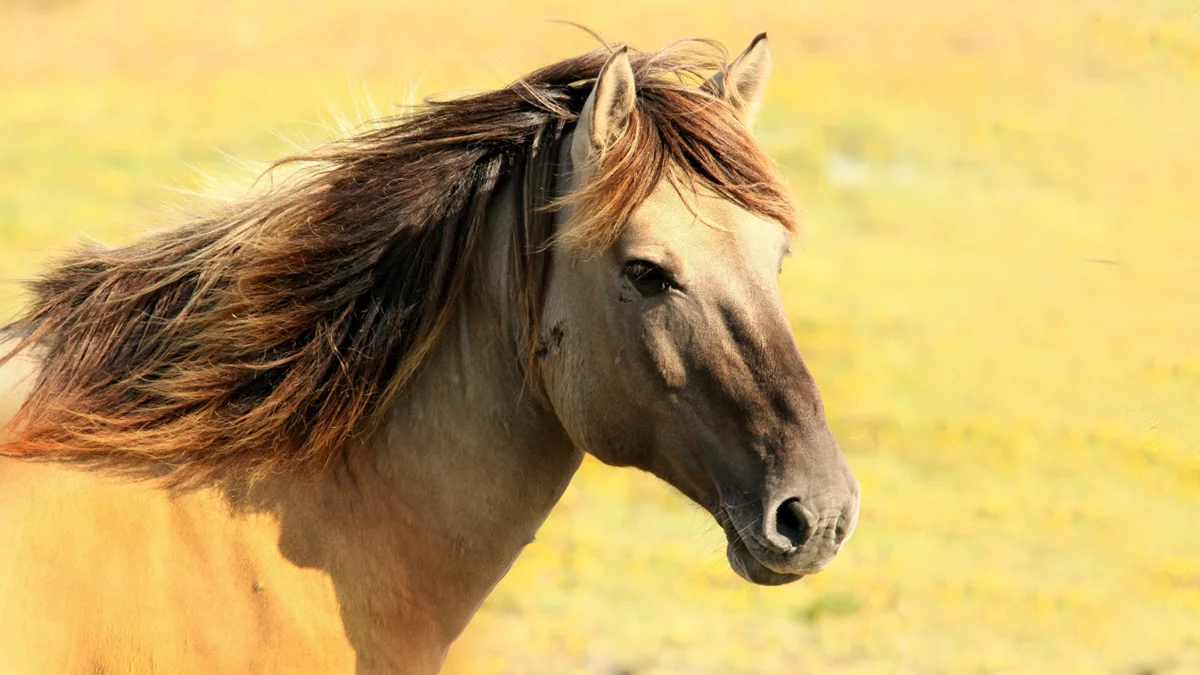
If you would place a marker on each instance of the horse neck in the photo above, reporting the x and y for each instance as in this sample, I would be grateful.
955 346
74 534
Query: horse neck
417 531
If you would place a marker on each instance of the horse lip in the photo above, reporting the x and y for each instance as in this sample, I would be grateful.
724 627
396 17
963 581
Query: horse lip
748 567
746 564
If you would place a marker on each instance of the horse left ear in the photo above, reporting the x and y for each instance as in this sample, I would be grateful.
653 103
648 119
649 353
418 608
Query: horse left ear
744 82
606 111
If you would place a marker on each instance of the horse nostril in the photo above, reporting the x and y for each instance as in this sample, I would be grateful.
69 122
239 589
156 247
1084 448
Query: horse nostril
792 522
845 524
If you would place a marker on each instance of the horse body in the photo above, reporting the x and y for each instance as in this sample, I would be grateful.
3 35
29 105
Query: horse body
559 304
107 577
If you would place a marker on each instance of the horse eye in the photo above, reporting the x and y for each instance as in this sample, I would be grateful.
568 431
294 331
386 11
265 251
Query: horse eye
649 279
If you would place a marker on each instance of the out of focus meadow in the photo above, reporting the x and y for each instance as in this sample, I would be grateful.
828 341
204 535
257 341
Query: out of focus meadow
999 294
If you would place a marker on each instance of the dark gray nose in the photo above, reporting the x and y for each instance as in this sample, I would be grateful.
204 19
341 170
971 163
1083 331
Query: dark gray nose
792 524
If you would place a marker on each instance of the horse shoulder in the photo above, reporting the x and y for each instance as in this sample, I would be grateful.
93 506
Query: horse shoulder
100 575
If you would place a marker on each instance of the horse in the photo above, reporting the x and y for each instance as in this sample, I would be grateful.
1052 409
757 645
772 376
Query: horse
310 430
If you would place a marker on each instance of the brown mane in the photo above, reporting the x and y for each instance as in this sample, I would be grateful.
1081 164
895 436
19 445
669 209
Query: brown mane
272 335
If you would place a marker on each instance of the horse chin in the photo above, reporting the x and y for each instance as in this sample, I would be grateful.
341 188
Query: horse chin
749 568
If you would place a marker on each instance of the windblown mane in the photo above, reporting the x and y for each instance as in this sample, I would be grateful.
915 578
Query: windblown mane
273 334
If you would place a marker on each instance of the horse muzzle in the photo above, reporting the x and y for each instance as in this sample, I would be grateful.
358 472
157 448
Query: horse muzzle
791 537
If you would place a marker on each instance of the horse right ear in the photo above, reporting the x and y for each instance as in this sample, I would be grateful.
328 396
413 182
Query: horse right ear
606 112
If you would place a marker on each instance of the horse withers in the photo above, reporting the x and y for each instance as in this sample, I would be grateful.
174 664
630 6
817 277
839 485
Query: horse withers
310 431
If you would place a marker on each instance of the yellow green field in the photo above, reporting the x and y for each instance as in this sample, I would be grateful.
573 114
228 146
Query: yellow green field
999 294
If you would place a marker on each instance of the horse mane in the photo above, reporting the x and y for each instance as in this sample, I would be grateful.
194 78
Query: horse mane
272 334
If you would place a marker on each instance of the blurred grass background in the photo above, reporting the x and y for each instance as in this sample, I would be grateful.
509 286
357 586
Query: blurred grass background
999 295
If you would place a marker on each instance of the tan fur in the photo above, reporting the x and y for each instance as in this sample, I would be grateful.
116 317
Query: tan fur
106 577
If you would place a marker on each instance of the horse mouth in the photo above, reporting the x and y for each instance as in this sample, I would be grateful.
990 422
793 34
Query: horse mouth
748 567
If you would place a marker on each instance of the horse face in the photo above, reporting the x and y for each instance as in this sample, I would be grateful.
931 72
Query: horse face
670 351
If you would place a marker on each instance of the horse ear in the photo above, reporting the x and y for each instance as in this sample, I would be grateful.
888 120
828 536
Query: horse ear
606 112
744 82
